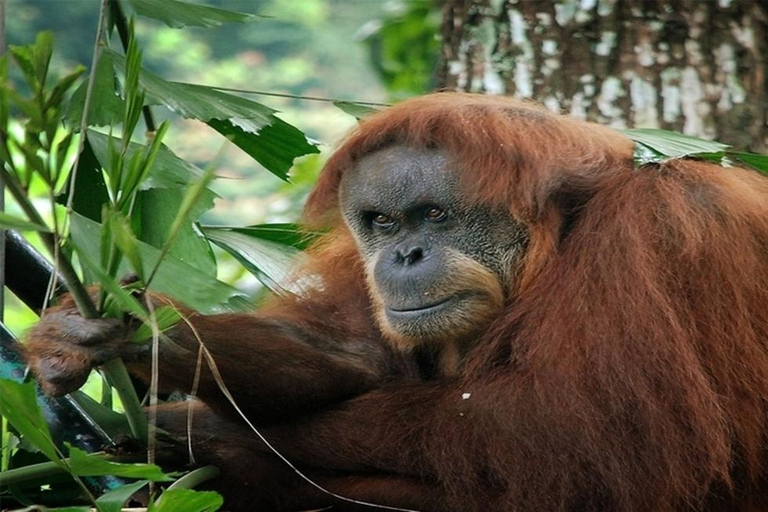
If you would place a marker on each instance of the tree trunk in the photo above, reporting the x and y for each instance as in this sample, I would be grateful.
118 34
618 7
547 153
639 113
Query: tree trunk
696 67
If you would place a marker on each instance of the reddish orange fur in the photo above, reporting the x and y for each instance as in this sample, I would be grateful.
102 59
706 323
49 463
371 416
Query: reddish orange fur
631 367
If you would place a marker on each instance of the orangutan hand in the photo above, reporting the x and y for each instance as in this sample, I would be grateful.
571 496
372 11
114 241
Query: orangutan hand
63 347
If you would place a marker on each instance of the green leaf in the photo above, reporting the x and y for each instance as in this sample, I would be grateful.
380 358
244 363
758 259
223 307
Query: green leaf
32 160
271 262
357 110
166 317
112 422
42 52
125 301
189 204
125 240
18 404
107 107
63 85
147 162
275 146
132 93
113 501
107 251
759 162
251 126
282 233
60 147
168 170
90 187
24 59
174 500
174 278
646 155
34 59
668 145
8 221
156 210
84 464
178 14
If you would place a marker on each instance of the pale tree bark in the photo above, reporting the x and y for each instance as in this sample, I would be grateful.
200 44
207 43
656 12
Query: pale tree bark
695 66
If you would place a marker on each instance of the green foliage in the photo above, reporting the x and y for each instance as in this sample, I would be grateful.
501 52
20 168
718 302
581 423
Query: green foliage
84 464
268 252
34 61
655 146
12 222
174 277
132 207
113 501
178 14
165 318
357 110
106 106
759 162
42 111
167 171
251 126
404 47
18 405
160 195
187 500
112 422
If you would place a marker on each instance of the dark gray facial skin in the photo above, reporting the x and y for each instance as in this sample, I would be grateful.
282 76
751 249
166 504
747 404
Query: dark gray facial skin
438 266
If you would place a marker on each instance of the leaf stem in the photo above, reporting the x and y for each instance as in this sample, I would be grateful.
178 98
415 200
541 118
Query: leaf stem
43 470
51 468
121 23
32 472
118 377
86 106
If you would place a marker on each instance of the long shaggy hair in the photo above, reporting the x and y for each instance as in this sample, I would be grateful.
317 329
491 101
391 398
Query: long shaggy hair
629 370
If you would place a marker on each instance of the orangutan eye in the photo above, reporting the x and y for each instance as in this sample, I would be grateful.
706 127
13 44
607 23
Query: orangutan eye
380 220
434 214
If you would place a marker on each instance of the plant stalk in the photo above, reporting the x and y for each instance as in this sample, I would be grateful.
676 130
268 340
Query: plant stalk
121 23
87 104
118 377
46 469
33 472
